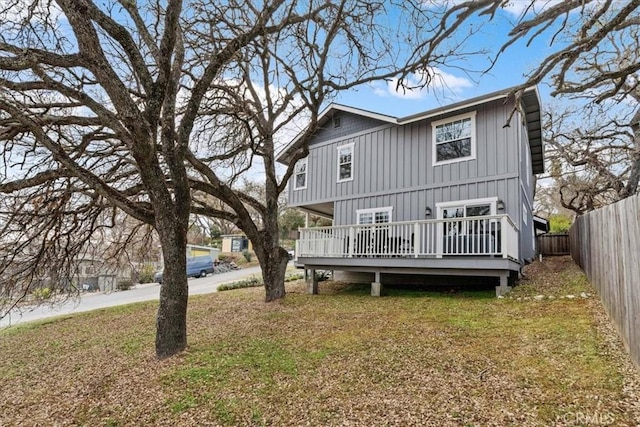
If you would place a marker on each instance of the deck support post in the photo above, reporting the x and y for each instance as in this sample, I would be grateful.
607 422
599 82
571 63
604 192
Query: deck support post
312 282
376 287
504 287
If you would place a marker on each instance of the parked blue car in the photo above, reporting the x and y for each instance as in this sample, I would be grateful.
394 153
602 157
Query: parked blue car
198 266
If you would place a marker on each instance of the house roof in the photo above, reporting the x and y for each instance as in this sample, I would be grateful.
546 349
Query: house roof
530 101
205 248
541 224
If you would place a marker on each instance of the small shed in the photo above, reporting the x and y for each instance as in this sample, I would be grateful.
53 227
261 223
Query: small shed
235 243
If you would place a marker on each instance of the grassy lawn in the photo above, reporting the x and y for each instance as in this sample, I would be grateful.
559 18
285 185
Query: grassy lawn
338 358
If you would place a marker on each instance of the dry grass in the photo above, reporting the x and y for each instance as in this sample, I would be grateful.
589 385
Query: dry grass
338 358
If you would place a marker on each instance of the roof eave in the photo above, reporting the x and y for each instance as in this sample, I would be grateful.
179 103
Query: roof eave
532 111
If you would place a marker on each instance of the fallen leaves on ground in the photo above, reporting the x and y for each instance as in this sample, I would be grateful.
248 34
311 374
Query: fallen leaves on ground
341 358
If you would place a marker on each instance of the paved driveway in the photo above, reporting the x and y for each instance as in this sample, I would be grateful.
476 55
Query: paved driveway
146 292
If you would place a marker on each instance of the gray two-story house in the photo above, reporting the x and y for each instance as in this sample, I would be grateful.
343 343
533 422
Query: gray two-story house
447 192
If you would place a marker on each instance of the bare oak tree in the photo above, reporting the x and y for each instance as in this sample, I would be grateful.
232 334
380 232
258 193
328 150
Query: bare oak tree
595 63
595 143
155 109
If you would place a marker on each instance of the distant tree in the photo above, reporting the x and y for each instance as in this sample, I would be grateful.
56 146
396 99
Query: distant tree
547 197
559 223
196 234
214 232
318 221
290 220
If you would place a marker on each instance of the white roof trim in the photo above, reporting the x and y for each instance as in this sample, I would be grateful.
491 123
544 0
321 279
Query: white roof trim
360 112
448 110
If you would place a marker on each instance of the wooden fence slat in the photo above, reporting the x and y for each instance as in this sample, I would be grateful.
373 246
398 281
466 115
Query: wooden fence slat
605 243
553 244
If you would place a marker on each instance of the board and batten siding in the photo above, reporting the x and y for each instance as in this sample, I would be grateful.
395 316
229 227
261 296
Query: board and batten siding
389 158
527 183
410 205
349 124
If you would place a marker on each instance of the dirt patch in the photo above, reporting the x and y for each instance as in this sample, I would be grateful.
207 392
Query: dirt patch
553 276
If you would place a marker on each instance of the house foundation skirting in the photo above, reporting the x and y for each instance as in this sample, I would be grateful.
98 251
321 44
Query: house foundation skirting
500 279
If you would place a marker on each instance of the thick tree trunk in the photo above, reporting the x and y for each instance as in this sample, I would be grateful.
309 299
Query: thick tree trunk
171 326
274 265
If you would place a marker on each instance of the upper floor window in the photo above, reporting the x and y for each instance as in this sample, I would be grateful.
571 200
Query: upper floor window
345 163
454 139
300 175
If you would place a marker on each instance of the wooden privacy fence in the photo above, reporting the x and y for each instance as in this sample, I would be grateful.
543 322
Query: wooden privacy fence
606 244
553 244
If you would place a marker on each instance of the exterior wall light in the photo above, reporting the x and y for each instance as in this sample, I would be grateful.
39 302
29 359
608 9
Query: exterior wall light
500 205
427 212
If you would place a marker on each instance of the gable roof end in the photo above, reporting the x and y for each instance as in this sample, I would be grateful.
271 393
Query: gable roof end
325 116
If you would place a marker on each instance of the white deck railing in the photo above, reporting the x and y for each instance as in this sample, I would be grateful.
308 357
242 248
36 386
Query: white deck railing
487 235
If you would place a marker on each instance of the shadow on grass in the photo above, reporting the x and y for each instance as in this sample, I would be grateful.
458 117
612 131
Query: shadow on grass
418 291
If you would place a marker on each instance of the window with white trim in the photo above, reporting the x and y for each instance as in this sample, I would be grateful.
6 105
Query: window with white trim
345 163
454 139
300 175
466 209
374 215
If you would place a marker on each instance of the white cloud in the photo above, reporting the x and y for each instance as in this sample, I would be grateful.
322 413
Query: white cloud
415 88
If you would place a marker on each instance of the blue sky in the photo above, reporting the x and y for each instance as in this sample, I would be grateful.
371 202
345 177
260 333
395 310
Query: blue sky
454 84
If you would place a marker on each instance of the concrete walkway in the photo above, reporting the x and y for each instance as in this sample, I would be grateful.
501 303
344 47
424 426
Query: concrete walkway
146 292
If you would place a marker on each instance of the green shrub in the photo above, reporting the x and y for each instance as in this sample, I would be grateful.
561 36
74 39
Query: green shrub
42 293
230 257
247 283
247 255
124 285
146 274
254 282
559 223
